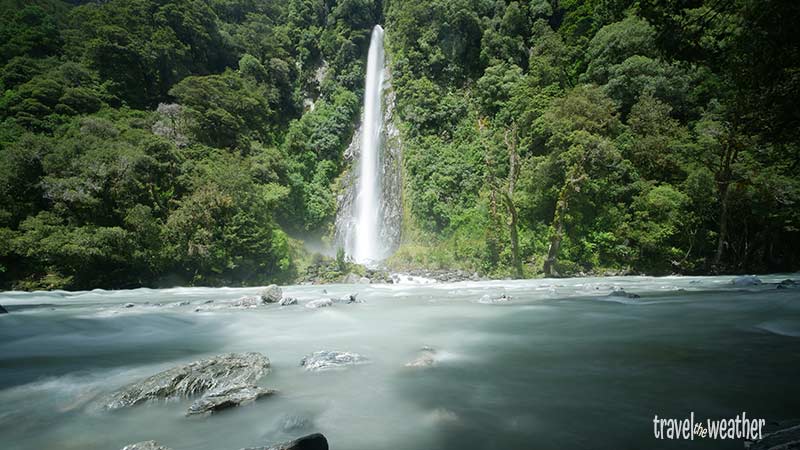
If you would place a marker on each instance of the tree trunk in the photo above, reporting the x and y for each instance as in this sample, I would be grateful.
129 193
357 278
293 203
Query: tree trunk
555 238
724 180
513 174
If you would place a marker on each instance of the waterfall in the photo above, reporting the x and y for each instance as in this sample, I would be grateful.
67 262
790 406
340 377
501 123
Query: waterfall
369 205
365 245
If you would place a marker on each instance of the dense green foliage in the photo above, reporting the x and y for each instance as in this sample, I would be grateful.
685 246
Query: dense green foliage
152 142
592 136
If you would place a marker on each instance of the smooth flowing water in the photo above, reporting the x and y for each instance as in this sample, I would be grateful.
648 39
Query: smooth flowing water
560 366
366 246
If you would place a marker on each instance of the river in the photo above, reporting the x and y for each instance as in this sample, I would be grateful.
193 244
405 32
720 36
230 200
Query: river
561 365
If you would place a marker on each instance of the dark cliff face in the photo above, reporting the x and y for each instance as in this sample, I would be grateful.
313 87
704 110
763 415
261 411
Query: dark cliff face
391 211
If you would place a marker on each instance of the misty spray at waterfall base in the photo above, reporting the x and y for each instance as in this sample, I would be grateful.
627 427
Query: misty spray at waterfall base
368 220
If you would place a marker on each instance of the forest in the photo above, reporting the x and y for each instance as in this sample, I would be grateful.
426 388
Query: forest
201 142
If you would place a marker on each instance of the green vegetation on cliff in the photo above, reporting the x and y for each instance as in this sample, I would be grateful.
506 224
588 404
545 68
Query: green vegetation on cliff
147 142
564 137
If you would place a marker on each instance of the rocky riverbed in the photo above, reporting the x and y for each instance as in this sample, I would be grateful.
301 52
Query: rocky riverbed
408 365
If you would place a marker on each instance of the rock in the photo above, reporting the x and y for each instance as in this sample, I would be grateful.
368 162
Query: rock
492 299
622 294
325 360
286 301
128 305
271 294
314 441
195 378
784 438
746 280
425 358
227 397
249 301
3 310
364 280
351 278
146 445
788 284
321 303
347 299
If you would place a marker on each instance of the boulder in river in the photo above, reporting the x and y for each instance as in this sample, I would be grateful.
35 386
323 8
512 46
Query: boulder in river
227 397
492 299
286 301
128 305
3 310
314 441
788 284
194 378
622 294
347 299
271 294
746 280
321 303
325 360
145 445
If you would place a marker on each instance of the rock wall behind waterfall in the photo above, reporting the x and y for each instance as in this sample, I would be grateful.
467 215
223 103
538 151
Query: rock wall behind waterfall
391 212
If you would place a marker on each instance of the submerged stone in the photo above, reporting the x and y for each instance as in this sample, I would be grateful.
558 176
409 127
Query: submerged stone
227 397
622 294
746 280
314 441
321 303
325 360
492 299
424 359
145 445
3 310
249 301
192 379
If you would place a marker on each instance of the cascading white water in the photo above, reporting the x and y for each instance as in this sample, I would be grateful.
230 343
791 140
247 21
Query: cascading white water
366 247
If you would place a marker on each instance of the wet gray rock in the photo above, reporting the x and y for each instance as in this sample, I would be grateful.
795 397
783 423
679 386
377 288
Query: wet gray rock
622 294
364 280
145 445
326 360
227 397
249 301
321 303
314 441
128 305
286 301
788 284
493 299
347 299
271 294
424 359
191 379
746 280
3 310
